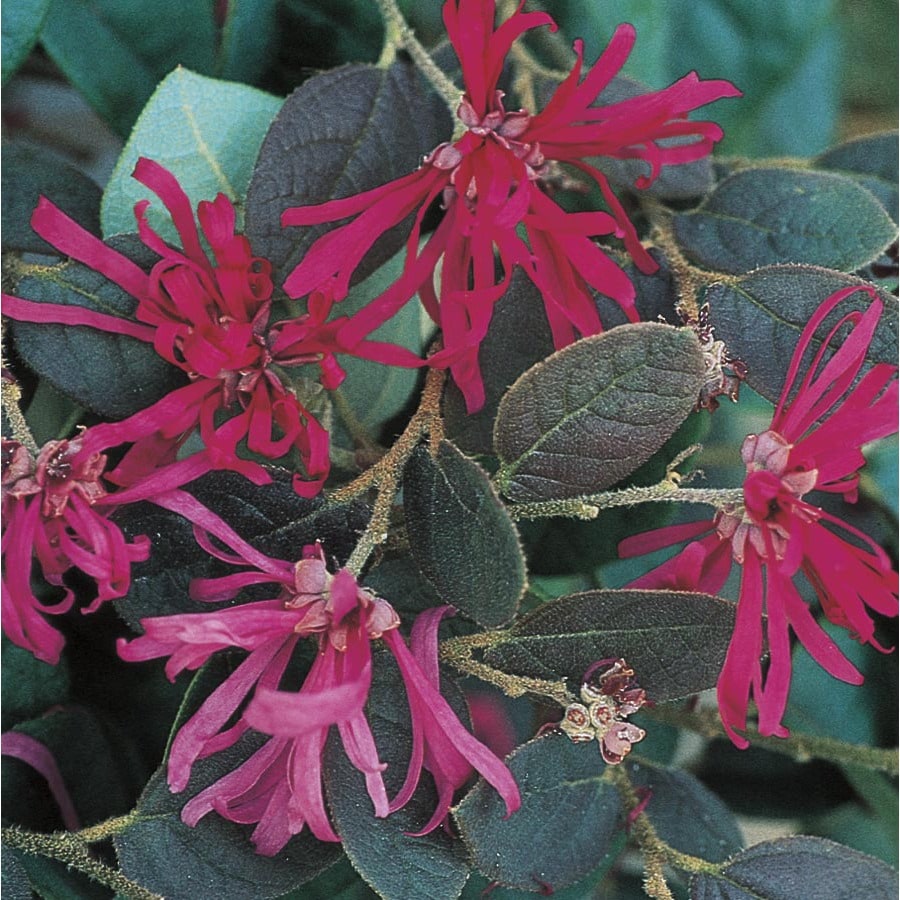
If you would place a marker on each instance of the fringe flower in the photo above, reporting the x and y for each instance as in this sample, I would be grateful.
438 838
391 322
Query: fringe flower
494 184
822 420
279 787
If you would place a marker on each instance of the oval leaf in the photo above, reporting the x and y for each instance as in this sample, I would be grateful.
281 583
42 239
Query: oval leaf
19 29
798 867
677 798
206 132
760 318
596 410
32 687
567 825
872 161
249 38
115 51
29 172
461 535
519 337
760 217
395 864
111 374
340 133
674 641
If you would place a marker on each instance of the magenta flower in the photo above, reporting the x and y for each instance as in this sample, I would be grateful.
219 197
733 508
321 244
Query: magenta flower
211 320
279 787
814 443
55 511
495 182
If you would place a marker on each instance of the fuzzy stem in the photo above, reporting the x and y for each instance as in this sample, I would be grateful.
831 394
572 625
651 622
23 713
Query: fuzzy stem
72 850
690 281
656 852
399 36
458 652
588 506
387 473
11 399
802 747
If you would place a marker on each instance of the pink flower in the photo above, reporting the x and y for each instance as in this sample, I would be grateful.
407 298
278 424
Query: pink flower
814 443
211 320
279 787
55 511
496 181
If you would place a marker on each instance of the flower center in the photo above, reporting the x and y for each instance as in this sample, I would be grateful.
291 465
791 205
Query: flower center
60 470
773 494
498 125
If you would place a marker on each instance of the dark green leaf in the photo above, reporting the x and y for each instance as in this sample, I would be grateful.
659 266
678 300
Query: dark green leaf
872 161
13 876
478 887
51 879
795 867
340 882
399 581
29 172
115 51
760 318
595 411
97 763
270 516
248 38
676 799
50 414
567 824
338 134
30 687
461 535
558 546
321 36
207 132
111 374
674 641
216 858
519 337
20 27
765 216
394 864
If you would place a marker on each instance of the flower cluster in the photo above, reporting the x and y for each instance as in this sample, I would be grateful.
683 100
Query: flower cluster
605 707
494 184
50 513
279 787
208 307
775 535
212 321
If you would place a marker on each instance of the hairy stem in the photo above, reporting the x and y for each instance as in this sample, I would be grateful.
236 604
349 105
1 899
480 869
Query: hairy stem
668 489
656 852
72 850
458 652
387 473
399 36
11 398
802 747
